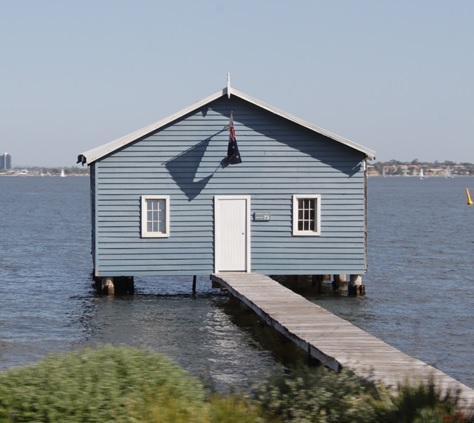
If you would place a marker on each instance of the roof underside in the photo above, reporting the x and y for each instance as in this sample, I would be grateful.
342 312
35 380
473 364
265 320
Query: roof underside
97 153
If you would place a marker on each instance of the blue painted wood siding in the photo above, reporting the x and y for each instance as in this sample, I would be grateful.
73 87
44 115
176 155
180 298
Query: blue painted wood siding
183 160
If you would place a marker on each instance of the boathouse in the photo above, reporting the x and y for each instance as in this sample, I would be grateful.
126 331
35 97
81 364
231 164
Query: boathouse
168 200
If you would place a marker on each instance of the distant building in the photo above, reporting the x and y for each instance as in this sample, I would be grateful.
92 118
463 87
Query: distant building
5 161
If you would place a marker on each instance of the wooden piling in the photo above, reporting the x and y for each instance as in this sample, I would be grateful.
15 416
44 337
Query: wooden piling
317 283
107 286
356 287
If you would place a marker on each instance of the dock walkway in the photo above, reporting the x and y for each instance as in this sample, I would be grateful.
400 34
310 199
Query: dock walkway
330 339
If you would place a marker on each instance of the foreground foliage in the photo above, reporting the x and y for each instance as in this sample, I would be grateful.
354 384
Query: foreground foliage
323 396
111 385
418 404
317 395
129 385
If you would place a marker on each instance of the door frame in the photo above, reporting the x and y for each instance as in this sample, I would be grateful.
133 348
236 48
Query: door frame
217 253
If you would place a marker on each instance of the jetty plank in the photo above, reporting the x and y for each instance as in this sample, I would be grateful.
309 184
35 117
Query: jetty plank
332 340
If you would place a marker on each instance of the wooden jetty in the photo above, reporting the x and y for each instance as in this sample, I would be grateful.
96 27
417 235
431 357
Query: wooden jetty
330 339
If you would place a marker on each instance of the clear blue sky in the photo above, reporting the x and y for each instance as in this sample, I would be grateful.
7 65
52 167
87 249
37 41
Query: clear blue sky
394 76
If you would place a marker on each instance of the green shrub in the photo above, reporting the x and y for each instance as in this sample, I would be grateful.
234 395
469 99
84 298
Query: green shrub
94 385
422 403
319 395
316 395
113 384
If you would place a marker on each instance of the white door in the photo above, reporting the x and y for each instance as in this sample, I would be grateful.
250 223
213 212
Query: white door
232 233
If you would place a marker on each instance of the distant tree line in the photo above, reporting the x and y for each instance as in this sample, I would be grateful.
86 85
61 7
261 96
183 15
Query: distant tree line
54 171
463 168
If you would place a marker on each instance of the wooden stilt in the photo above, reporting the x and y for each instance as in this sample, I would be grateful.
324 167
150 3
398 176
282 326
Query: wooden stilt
339 282
355 287
115 285
107 286
317 282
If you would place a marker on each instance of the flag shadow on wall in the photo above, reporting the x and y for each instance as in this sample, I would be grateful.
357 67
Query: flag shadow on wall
184 169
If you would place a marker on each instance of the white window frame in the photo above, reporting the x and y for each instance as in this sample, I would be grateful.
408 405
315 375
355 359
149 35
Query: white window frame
144 217
317 231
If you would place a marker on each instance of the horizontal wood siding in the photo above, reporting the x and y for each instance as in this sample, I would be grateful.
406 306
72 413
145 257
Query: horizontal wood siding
183 160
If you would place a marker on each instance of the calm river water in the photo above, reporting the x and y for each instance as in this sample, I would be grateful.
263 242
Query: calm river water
420 286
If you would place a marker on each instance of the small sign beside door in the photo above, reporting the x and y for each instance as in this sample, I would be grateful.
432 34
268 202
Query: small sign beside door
261 216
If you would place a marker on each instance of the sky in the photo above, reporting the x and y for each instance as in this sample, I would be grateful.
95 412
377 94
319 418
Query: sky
394 76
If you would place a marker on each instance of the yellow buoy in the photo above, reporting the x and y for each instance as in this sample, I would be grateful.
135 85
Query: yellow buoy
469 201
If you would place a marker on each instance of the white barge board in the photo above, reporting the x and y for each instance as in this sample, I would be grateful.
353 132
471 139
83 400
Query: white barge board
330 339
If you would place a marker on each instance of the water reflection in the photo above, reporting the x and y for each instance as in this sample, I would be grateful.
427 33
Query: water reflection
210 334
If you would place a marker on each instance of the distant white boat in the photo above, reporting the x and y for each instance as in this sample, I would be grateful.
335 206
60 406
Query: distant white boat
421 173
63 175
447 173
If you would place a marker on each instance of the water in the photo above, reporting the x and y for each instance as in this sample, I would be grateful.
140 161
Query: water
420 283
420 288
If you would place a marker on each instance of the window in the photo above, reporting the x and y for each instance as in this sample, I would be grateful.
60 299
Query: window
155 216
306 214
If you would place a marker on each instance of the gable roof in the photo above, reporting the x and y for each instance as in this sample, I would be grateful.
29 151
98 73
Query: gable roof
97 153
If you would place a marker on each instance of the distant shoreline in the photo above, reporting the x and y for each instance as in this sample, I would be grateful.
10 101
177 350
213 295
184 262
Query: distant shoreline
415 168
41 176
46 171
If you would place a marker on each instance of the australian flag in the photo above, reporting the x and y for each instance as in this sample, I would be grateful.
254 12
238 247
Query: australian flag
233 155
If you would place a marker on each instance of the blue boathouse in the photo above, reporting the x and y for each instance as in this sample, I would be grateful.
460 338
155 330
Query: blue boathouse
166 201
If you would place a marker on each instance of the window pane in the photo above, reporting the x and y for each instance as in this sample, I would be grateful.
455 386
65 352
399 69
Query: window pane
306 221
162 217
154 217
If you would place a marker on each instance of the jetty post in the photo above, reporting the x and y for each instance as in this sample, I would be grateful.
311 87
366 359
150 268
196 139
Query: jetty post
356 287
109 285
